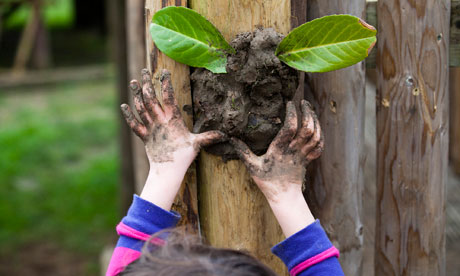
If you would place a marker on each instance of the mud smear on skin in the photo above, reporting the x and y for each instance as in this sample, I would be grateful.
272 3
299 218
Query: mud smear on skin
249 101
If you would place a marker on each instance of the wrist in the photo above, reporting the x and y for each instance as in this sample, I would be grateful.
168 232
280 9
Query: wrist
162 184
292 212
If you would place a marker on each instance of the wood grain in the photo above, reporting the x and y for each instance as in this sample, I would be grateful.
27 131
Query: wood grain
335 182
412 136
454 38
186 202
233 211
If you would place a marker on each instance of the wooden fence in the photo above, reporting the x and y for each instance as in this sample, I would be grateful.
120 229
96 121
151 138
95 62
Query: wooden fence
412 63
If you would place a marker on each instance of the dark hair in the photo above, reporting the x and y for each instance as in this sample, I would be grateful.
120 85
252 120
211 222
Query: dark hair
185 254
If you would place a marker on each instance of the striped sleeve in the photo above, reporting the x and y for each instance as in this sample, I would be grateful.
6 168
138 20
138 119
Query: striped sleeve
309 252
143 219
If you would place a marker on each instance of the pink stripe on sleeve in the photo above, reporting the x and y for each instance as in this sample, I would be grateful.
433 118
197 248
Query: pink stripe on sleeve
331 252
125 230
121 257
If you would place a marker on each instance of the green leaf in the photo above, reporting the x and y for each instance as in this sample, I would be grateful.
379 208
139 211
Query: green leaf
327 43
187 37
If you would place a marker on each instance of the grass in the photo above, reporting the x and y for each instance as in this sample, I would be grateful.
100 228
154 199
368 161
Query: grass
59 167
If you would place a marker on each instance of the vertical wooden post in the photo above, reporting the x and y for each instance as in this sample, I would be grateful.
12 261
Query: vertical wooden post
117 32
454 138
233 212
412 136
186 202
135 39
335 183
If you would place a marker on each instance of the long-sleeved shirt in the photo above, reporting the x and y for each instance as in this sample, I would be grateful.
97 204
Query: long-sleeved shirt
306 253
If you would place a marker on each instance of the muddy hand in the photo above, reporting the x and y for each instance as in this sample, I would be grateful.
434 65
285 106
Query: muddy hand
282 168
162 128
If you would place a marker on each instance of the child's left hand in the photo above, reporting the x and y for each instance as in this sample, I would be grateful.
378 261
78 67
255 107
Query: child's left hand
170 146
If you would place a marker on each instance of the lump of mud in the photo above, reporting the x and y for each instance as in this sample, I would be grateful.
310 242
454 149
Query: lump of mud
249 101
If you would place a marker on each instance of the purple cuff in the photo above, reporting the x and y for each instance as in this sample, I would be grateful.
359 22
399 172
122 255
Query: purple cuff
148 218
305 248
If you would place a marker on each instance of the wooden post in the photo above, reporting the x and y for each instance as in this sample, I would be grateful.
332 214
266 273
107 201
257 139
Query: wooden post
454 138
186 202
233 211
335 183
117 31
412 136
135 39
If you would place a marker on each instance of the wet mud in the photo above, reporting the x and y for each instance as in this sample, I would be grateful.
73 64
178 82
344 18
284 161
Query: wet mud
249 102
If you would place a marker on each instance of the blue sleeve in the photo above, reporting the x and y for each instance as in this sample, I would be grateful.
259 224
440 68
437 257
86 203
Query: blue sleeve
309 252
143 219
147 218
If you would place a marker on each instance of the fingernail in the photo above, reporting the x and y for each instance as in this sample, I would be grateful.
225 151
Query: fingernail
133 85
165 74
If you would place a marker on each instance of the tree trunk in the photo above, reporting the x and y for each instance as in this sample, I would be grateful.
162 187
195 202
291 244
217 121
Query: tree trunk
412 136
233 211
335 183
186 202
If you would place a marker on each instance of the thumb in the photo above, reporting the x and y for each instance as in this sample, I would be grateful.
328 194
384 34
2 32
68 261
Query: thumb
210 137
244 153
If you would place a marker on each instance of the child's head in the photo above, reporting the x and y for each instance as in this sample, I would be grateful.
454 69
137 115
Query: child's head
187 255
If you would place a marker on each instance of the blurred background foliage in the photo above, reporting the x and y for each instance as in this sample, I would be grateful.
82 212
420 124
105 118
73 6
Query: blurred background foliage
59 157
57 14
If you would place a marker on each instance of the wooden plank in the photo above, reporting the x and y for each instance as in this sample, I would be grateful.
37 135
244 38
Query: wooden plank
233 211
186 202
335 182
454 45
412 136
454 137
11 81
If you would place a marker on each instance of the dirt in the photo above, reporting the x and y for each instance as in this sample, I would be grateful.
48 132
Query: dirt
249 101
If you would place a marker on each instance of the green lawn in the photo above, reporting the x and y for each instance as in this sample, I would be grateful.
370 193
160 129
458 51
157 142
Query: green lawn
59 168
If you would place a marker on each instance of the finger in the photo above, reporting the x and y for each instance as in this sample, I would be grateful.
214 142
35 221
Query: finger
148 94
315 139
307 125
288 131
139 103
210 137
138 128
317 151
170 105
244 153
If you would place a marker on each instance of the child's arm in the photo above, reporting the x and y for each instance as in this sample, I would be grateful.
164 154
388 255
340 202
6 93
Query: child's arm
280 174
170 148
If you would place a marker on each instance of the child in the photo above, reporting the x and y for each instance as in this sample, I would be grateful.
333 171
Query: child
279 174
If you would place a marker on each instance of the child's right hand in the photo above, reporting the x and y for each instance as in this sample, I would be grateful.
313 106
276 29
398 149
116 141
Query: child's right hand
280 172
282 169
